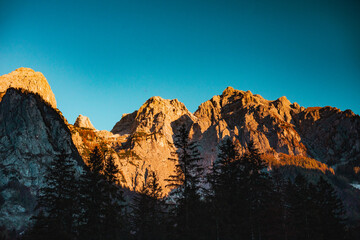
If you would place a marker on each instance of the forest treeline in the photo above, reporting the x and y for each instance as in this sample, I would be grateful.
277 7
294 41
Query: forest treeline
238 198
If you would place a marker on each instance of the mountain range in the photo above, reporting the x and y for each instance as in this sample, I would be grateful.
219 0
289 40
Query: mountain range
322 140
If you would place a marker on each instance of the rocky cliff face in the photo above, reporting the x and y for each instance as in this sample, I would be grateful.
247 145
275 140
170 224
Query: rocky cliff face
283 131
28 79
147 141
330 135
32 133
244 116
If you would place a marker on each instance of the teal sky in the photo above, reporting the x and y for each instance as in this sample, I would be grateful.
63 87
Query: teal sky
106 58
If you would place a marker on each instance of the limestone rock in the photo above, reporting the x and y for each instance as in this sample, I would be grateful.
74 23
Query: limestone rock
29 80
275 127
32 133
148 141
83 122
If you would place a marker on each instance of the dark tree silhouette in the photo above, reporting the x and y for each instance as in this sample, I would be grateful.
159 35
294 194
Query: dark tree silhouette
102 199
224 196
186 182
241 190
113 202
57 202
331 211
148 210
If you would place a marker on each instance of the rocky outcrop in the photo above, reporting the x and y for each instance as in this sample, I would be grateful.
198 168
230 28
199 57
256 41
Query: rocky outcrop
29 80
32 133
244 116
147 140
331 135
83 122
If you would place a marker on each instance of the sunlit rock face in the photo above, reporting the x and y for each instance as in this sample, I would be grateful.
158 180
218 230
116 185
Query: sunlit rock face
83 122
31 134
29 80
276 127
244 116
147 141
326 134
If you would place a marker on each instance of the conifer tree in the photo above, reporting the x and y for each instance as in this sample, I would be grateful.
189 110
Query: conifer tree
147 210
57 200
255 187
277 215
303 210
113 201
102 199
92 197
224 196
331 211
187 183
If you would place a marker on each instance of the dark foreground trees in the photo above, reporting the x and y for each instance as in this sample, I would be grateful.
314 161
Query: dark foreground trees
249 203
240 199
101 215
314 211
83 204
241 190
186 184
148 211
56 202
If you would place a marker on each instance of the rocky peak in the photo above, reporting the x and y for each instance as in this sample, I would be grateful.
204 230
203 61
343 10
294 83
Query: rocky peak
83 122
28 79
155 115
149 136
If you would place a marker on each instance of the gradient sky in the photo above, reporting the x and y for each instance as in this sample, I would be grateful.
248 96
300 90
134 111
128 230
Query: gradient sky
106 58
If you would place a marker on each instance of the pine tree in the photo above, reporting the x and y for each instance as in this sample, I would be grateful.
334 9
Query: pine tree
92 198
255 187
277 215
102 199
113 201
224 183
303 210
148 210
187 183
331 211
57 200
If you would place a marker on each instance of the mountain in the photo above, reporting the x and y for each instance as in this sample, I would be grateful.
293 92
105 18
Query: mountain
32 133
28 79
284 132
325 134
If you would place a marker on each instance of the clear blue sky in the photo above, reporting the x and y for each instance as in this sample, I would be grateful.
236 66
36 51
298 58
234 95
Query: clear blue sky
106 58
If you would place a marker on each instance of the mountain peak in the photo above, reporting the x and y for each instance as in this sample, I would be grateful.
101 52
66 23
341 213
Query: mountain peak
283 100
229 91
28 79
83 122
24 69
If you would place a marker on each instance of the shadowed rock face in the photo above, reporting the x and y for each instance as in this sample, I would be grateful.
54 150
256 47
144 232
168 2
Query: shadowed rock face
29 80
32 133
331 135
83 122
